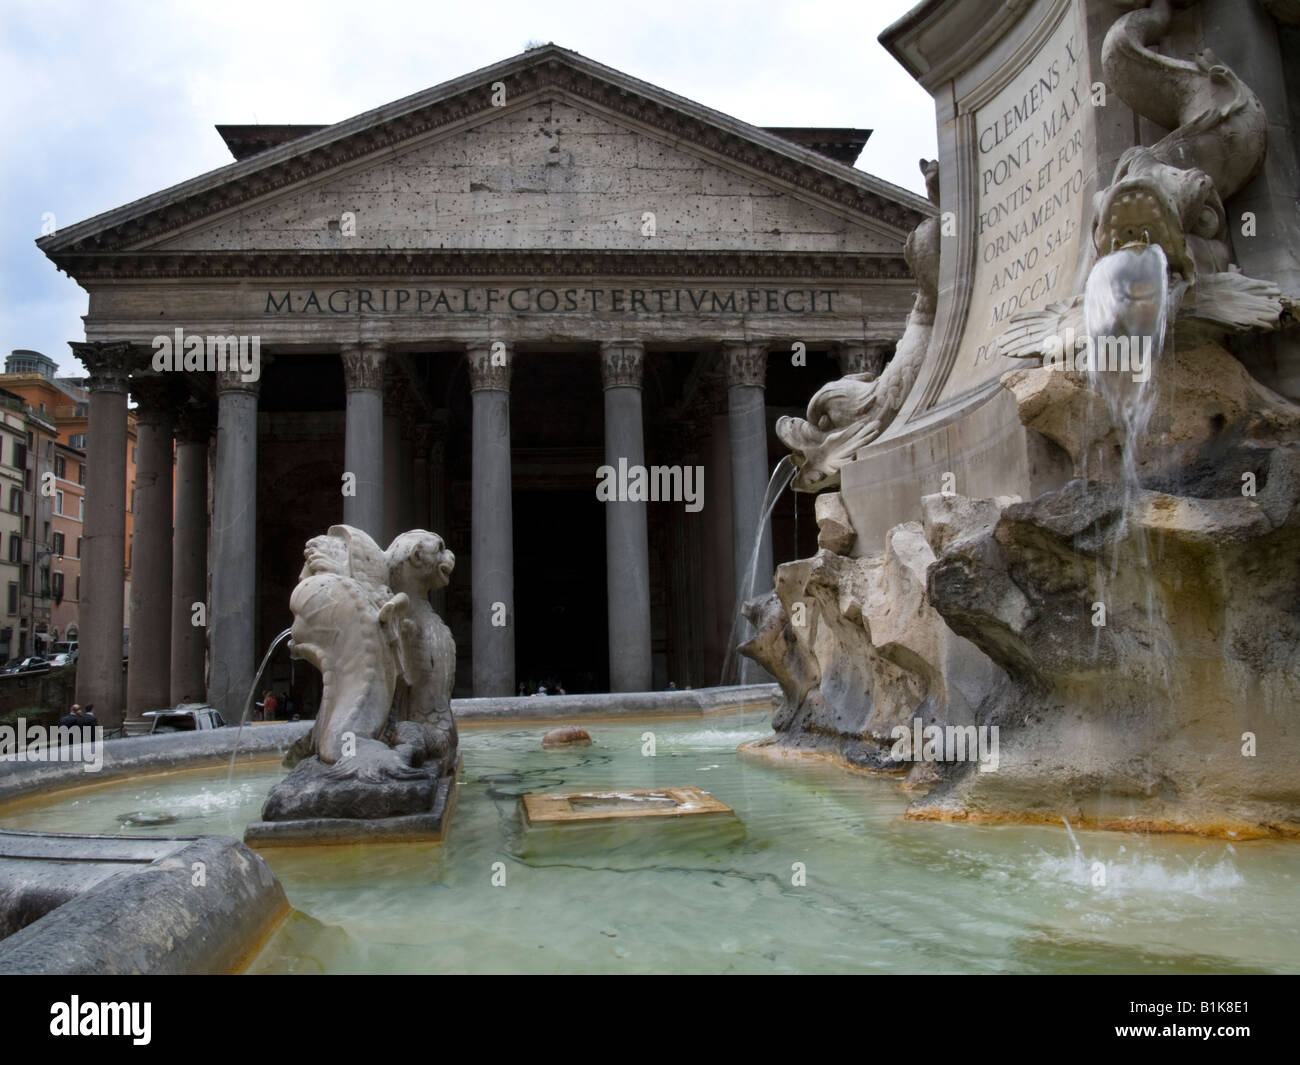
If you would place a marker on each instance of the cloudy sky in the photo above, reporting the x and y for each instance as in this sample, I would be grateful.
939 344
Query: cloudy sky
103 103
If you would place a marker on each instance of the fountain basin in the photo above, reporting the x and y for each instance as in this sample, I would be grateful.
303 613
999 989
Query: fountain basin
693 895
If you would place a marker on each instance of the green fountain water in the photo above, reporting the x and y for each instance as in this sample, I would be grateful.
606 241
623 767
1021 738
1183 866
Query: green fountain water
826 877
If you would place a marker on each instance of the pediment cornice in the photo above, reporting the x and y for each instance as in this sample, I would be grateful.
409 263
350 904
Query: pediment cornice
100 265
546 71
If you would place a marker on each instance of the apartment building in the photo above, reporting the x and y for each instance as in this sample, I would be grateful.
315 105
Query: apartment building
13 446
53 499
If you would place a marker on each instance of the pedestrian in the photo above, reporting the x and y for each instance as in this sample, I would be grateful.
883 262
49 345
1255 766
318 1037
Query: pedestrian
72 719
268 706
88 716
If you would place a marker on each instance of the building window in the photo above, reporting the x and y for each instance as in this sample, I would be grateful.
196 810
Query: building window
58 503
78 546
133 449
81 510
78 440
20 455
15 501
58 586
81 473
71 632
60 467
45 538
15 547
58 543
13 598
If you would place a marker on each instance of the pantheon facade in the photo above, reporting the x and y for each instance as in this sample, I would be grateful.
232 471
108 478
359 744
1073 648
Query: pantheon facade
452 312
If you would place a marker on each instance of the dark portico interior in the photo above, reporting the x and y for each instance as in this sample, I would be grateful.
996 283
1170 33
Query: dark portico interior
557 444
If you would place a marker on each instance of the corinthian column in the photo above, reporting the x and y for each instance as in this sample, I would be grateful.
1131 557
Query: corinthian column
190 555
363 442
747 426
863 356
103 565
627 552
492 560
234 547
148 678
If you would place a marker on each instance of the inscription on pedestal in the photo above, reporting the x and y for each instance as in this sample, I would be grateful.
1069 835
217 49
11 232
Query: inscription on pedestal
1034 183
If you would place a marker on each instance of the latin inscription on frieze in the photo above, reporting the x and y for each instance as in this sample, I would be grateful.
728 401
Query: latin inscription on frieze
542 300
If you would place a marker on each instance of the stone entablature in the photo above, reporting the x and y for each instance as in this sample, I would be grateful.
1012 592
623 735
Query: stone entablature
327 266
430 313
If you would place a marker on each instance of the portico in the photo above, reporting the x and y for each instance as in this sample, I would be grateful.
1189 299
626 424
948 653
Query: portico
453 334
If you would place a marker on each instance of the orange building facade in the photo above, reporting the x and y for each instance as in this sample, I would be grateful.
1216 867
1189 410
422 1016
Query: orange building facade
53 503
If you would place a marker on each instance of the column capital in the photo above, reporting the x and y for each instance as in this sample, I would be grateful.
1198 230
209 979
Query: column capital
193 423
155 398
108 363
233 381
746 362
490 365
363 365
862 356
622 363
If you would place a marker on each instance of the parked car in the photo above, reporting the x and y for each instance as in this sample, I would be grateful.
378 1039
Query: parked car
61 659
185 719
65 647
33 664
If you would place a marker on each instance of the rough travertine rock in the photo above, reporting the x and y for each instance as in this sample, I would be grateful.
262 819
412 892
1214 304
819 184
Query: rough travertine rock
858 651
1173 714
568 736
834 527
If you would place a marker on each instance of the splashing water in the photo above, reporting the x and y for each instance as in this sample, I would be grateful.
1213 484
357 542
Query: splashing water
1127 306
782 474
1073 840
1125 314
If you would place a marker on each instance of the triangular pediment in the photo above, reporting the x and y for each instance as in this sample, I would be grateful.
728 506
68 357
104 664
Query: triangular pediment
575 157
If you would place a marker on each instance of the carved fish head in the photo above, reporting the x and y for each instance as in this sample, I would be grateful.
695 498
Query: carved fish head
1179 209
818 454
